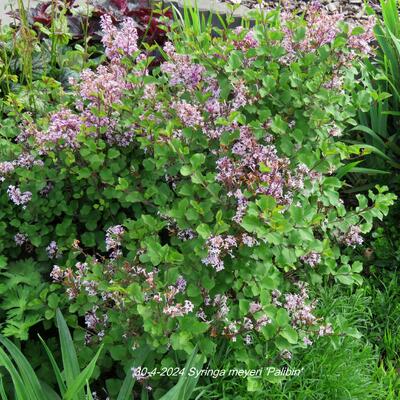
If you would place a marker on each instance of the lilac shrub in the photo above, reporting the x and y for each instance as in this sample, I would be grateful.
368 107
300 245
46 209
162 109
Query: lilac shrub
197 202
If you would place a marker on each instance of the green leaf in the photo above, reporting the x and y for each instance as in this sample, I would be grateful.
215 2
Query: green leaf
290 335
75 388
204 231
68 354
56 369
28 375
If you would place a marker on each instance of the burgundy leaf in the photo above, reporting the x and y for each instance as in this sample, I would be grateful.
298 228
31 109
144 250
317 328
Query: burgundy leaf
121 4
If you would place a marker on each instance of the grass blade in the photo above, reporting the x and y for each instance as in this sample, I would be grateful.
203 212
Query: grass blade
57 372
28 375
2 390
15 376
82 379
68 353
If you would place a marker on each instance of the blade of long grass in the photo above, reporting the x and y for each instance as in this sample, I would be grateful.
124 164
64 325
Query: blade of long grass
186 383
19 386
89 392
370 171
372 134
125 392
27 373
342 171
49 392
56 369
68 353
81 380
2 390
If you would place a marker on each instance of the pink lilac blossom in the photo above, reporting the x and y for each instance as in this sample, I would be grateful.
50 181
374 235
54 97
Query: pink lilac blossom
181 284
363 41
254 307
57 274
274 179
20 239
248 340
26 160
220 302
62 132
6 167
307 341
52 250
261 322
113 240
247 42
325 330
352 237
275 298
321 29
17 197
179 310
181 70
186 234
103 87
119 42
248 240
312 259
242 204
248 324
218 246
189 114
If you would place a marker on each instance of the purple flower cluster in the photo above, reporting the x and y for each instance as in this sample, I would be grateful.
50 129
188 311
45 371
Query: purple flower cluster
178 310
57 274
221 303
20 239
114 236
181 70
321 29
218 246
274 178
352 237
62 132
299 308
312 259
6 168
52 250
247 42
188 113
181 284
119 42
17 197
103 87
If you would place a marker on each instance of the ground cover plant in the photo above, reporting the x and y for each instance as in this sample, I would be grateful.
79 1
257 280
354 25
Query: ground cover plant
193 205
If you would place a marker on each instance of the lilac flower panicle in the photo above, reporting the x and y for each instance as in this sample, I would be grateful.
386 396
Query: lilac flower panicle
113 240
352 237
17 197
181 70
119 42
181 284
52 250
6 168
312 259
20 239
217 247
254 307
57 274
